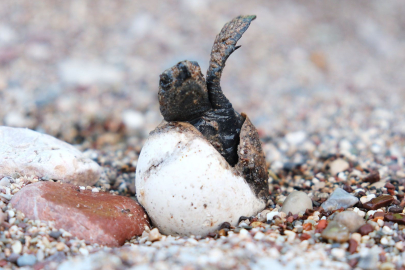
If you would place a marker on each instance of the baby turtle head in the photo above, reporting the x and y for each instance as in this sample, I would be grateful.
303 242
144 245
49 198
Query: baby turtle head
183 94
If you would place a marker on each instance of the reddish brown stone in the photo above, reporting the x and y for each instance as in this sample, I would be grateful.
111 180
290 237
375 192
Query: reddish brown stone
395 209
352 246
365 229
388 185
304 236
379 214
97 217
398 218
372 177
380 201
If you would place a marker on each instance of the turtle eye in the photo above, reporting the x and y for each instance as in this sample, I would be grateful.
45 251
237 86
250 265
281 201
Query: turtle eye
165 81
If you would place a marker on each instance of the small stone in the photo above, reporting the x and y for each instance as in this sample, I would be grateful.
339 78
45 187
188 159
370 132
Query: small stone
338 253
55 234
338 165
381 201
353 244
387 266
101 217
60 246
339 199
399 246
26 260
349 219
388 185
5 182
12 257
394 217
372 178
367 198
133 119
259 236
28 152
395 209
296 202
336 232
386 241
17 247
84 251
154 235
369 258
95 190
271 215
387 230
366 229
356 237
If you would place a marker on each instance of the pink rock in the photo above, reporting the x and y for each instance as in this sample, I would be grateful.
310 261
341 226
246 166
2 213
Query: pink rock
97 217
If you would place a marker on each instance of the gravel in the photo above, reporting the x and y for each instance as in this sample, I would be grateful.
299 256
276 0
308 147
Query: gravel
321 81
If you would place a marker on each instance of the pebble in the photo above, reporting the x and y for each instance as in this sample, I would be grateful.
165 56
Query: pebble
381 201
369 258
349 219
109 219
372 178
55 234
338 165
296 202
28 152
353 244
395 217
336 232
356 237
271 215
26 260
366 229
17 247
367 198
339 199
154 235
387 266
5 181
338 253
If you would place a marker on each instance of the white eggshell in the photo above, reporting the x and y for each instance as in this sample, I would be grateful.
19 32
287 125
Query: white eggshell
187 187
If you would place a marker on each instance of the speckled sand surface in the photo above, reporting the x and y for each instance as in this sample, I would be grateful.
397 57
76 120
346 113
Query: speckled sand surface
321 80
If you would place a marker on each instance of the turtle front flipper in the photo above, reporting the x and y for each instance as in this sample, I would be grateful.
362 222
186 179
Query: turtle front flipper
224 46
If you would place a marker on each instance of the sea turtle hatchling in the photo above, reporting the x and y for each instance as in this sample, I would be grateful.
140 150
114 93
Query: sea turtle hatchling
203 143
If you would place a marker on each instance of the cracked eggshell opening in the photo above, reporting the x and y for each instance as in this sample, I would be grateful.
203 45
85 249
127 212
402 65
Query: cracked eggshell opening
186 186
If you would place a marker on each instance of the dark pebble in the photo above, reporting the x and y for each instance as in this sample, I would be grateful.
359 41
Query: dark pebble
55 234
388 185
398 218
365 229
347 188
381 201
372 178
352 246
379 214
395 209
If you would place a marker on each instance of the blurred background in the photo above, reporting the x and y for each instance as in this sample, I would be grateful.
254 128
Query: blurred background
309 72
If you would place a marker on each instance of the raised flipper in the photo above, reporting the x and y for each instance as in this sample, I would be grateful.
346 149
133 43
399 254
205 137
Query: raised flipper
224 46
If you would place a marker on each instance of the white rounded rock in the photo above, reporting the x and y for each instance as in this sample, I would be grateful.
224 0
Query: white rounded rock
186 186
28 152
